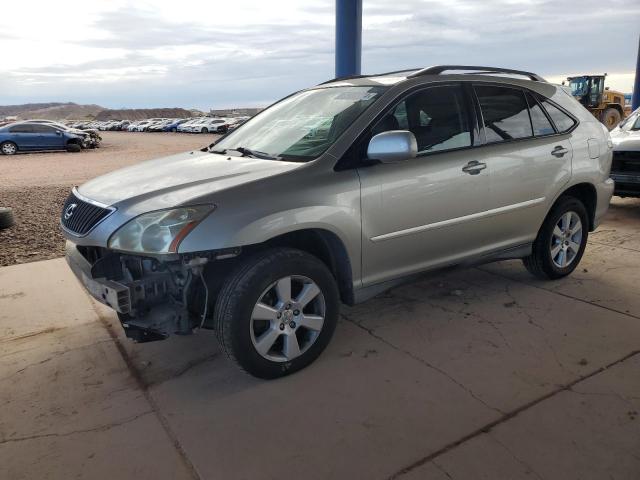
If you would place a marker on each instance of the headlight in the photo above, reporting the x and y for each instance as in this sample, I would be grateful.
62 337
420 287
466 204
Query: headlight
160 231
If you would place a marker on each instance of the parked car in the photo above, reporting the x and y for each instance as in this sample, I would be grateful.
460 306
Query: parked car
173 126
25 136
214 125
91 137
625 169
192 126
265 233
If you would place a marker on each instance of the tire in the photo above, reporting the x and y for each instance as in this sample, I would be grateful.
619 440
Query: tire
610 118
174 129
6 218
8 148
542 262
204 130
73 147
254 280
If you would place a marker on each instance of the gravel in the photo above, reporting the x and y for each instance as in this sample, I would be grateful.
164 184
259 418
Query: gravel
36 234
36 185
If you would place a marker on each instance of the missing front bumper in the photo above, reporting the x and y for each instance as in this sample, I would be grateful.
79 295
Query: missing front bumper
146 306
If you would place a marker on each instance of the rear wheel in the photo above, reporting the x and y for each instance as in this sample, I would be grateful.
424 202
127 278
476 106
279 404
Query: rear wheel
561 240
8 148
610 118
277 312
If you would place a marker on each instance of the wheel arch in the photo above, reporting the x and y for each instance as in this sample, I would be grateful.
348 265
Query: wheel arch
328 248
615 106
587 194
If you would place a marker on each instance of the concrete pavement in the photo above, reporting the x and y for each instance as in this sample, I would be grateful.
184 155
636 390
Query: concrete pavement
472 374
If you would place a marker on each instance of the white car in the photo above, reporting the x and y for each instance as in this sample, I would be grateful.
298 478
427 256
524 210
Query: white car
188 126
211 125
625 169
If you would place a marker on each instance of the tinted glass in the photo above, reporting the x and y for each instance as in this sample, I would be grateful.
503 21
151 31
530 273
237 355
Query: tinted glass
562 121
21 129
505 113
43 128
540 122
437 116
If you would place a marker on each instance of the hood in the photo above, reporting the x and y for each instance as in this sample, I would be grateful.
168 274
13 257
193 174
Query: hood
179 179
625 140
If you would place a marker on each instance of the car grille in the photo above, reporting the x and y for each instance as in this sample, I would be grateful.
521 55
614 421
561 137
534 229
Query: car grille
626 162
79 217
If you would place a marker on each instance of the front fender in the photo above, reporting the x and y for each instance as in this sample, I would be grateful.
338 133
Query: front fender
216 233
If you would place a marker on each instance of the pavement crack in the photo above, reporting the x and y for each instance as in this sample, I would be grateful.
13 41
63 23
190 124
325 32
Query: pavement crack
555 292
442 469
100 428
188 366
508 416
424 362
517 459
144 388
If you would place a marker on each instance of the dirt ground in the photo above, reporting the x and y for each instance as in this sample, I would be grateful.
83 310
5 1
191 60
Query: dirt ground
35 185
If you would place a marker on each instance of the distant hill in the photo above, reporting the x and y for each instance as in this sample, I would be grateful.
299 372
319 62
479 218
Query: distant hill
74 111
142 113
50 111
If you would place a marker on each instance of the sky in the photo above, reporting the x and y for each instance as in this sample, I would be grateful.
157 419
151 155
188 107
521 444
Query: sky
244 53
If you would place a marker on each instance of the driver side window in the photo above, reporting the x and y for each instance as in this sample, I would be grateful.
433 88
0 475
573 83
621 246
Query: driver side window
437 116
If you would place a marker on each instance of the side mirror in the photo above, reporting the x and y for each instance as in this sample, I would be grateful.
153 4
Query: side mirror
393 146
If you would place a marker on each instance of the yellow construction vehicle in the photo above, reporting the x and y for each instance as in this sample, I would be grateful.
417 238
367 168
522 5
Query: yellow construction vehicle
606 105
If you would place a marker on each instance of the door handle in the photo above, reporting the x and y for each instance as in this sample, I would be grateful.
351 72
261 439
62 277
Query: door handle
559 151
474 167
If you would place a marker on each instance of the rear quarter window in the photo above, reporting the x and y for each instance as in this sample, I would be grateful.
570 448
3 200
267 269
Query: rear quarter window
562 121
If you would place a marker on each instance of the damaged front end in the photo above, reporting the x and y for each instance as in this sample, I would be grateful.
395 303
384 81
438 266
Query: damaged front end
154 297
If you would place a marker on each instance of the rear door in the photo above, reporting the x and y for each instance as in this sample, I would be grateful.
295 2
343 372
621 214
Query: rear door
24 136
527 159
427 211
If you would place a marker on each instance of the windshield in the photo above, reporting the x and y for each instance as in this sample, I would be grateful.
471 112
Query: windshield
632 122
578 86
302 126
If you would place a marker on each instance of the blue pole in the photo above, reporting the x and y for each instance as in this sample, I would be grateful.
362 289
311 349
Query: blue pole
635 100
348 37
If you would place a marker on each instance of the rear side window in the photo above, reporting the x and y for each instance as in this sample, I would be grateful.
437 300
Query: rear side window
21 129
505 113
562 121
539 121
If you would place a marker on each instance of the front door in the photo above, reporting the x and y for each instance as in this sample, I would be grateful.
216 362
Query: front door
427 211
49 137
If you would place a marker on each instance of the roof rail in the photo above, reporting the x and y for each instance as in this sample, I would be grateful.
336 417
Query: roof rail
351 77
439 69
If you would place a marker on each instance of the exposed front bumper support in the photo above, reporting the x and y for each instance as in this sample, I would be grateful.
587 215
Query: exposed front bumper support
146 306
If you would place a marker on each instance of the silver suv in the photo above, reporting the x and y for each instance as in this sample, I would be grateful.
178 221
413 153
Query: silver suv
335 194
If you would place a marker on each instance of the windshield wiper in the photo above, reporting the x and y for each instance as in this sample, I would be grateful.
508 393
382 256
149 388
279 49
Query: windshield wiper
246 152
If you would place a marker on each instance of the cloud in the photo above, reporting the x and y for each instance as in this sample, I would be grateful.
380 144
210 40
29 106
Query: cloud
250 52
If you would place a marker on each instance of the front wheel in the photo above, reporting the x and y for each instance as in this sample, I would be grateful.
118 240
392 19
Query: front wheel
561 240
277 312
8 148
205 130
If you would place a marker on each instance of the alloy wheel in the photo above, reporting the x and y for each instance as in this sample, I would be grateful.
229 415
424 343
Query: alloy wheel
8 148
287 318
566 239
